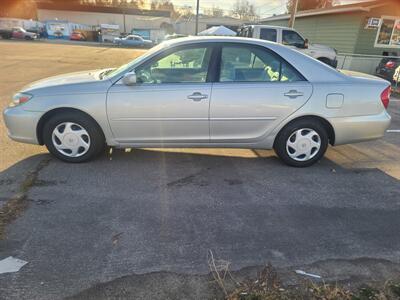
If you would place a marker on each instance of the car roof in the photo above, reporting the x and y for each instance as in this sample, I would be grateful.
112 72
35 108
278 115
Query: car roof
216 39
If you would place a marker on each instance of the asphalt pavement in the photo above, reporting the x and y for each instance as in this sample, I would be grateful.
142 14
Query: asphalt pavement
139 224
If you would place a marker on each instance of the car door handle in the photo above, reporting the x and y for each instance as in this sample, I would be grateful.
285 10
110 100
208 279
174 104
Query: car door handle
293 94
197 96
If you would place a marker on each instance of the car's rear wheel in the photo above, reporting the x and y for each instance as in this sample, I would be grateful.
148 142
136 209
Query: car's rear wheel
73 137
302 143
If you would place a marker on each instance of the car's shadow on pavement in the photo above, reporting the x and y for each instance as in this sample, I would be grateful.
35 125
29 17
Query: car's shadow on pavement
153 210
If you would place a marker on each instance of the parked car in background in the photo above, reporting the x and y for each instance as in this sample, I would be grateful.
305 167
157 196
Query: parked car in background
77 36
5 33
387 67
21 33
133 41
291 38
203 92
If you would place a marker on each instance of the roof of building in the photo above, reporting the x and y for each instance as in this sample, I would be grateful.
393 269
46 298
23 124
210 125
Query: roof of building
103 9
365 6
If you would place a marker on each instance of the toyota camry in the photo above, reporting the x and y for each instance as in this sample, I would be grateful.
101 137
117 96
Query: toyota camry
203 92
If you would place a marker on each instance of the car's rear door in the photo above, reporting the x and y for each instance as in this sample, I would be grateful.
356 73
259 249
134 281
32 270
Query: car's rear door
170 102
256 90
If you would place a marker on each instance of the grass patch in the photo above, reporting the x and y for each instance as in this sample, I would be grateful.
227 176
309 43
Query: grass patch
268 286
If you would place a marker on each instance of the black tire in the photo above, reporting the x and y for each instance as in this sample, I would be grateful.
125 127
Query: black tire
286 132
96 136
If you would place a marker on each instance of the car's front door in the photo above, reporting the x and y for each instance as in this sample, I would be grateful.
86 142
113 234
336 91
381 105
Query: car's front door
257 89
169 103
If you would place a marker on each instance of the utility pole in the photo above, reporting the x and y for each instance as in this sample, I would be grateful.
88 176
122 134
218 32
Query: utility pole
197 17
293 13
123 14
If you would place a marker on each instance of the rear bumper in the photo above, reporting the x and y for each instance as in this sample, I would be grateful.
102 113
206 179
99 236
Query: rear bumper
358 129
21 125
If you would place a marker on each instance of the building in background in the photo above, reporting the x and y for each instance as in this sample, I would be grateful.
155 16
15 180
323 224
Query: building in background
369 28
150 23
28 25
187 27
62 29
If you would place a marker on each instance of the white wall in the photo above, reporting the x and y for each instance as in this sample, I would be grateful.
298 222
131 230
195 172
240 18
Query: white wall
97 18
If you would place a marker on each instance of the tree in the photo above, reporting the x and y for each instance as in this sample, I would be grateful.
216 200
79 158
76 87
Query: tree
243 10
166 5
215 11
113 3
310 4
167 27
185 12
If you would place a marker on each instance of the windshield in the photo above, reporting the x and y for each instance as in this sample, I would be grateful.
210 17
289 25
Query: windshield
129 65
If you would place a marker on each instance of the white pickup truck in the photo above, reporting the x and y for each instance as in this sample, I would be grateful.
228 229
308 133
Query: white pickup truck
289 37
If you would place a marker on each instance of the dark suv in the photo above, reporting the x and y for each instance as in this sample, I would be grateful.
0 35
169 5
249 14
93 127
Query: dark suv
387 66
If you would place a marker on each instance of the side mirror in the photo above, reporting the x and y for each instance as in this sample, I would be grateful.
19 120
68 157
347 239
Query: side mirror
129 78
306 44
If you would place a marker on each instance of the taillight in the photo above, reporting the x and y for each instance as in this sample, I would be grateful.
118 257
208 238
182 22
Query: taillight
385 97
390 64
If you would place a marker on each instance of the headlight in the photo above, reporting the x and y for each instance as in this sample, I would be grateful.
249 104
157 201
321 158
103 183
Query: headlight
20 98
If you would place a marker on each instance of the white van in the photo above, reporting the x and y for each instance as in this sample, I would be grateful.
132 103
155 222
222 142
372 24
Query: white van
291 38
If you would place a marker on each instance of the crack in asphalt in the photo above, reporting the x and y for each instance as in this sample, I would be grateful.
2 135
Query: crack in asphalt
14 206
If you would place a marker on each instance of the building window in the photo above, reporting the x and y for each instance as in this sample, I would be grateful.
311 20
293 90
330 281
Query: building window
388 33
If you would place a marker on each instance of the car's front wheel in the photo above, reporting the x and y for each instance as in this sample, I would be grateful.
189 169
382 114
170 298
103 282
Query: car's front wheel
302 143
73 137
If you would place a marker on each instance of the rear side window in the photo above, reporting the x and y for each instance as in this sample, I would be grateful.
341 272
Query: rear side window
268 34
243 63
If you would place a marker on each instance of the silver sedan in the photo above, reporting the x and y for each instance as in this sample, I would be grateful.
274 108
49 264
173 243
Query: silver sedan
203 92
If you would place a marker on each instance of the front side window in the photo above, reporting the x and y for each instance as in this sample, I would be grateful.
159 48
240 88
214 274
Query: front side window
292 38
268 34
183 66
254 64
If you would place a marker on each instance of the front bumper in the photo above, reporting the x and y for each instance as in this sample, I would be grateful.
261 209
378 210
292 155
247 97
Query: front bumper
21 124
359 129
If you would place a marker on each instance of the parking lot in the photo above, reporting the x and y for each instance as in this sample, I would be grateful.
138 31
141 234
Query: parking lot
105 228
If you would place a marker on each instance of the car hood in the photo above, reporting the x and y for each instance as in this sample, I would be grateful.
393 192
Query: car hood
70 78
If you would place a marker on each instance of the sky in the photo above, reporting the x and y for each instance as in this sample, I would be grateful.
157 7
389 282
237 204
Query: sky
264 8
